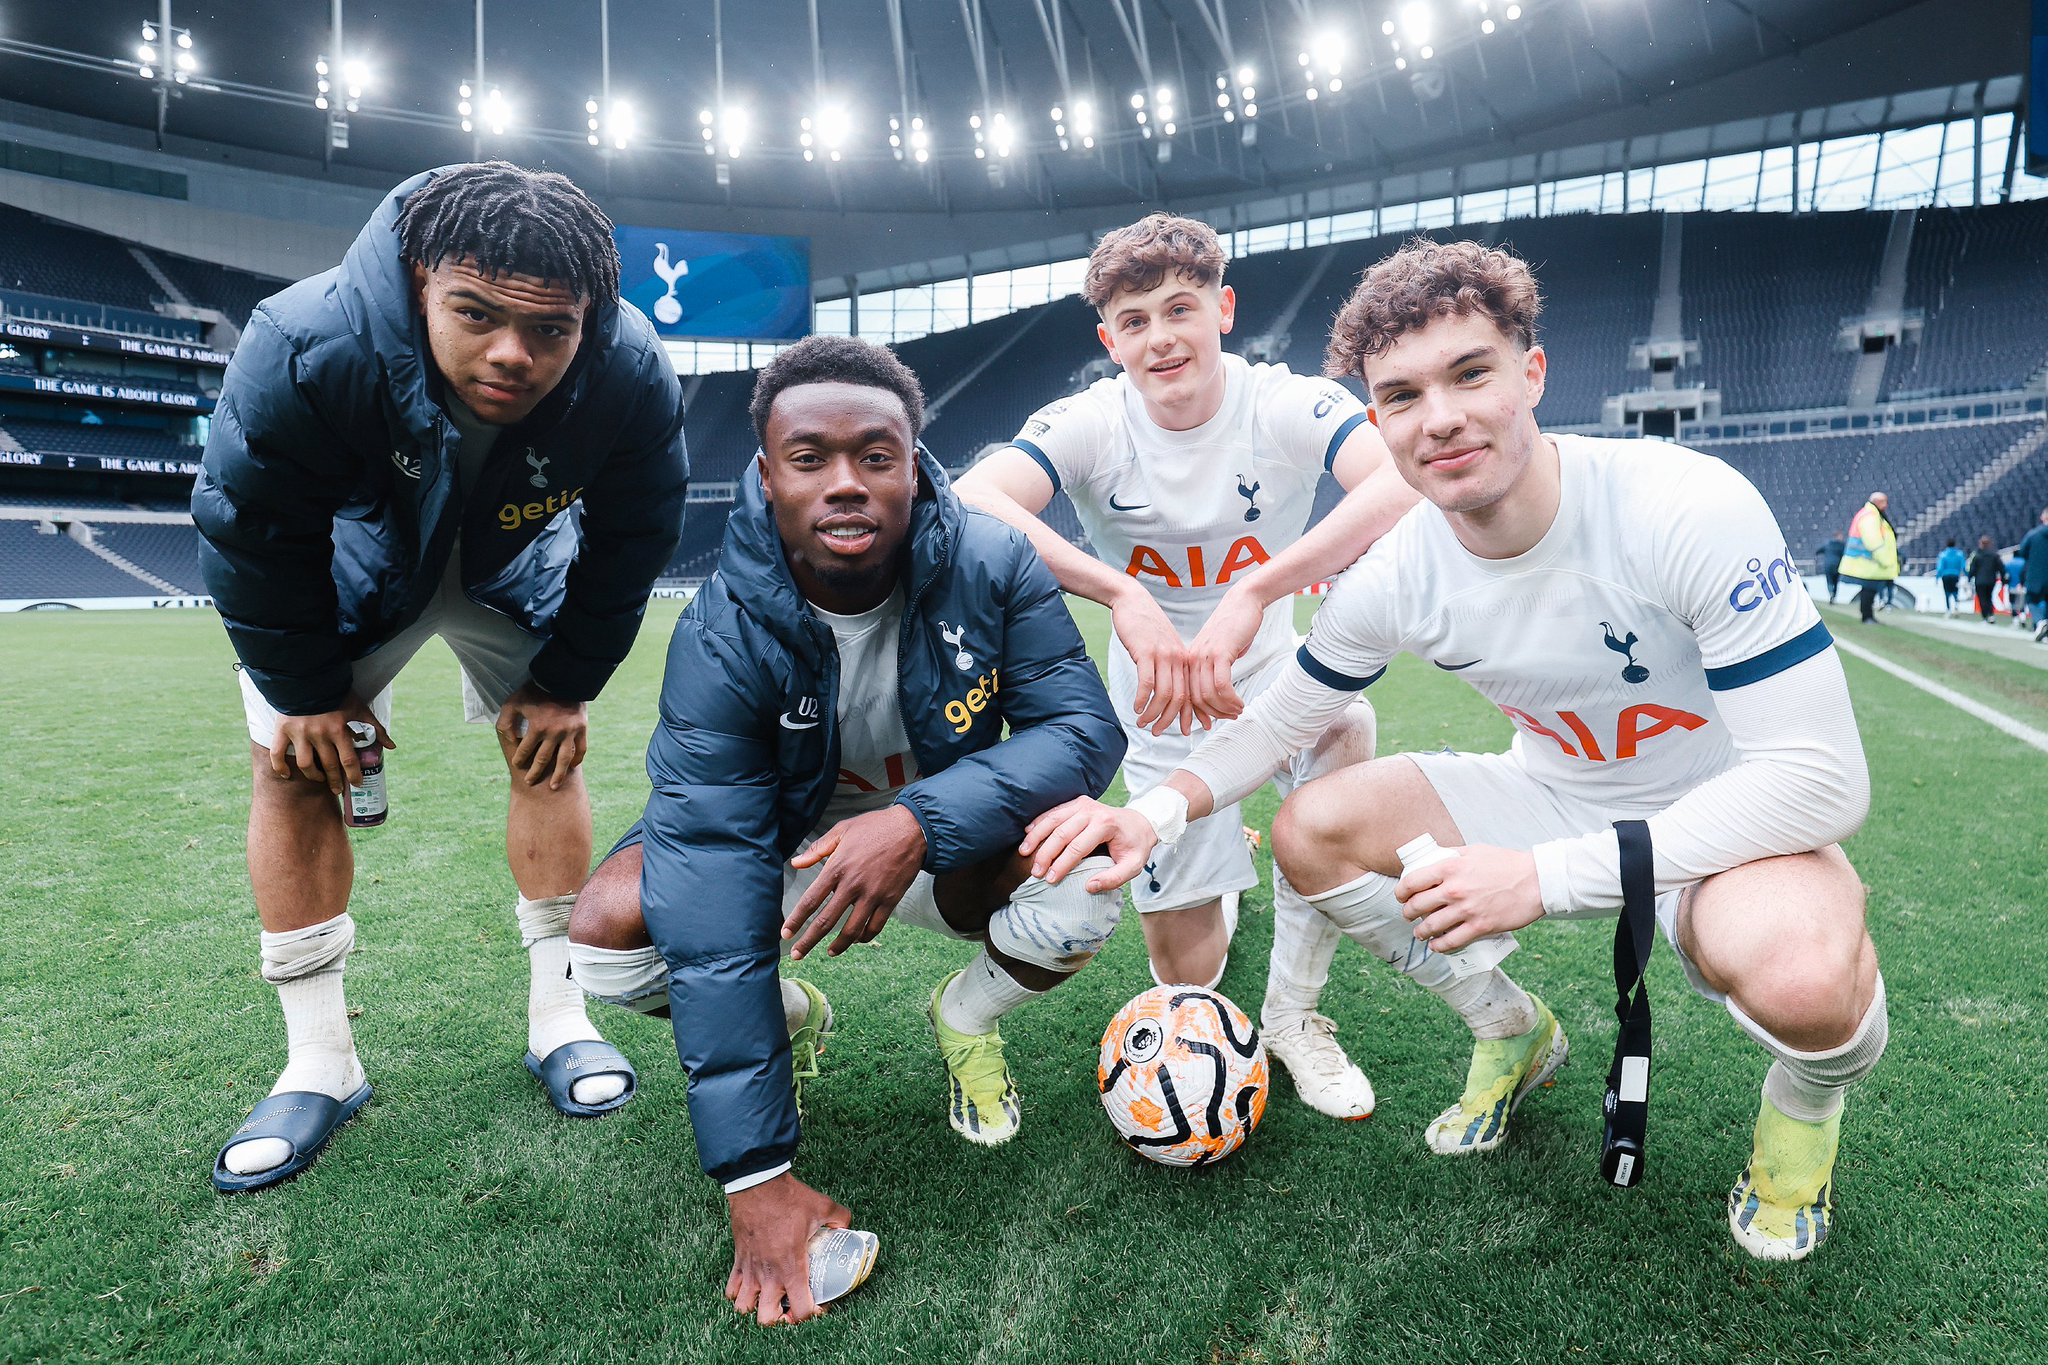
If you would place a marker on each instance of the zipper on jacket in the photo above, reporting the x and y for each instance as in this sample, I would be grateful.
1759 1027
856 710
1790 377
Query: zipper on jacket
940 561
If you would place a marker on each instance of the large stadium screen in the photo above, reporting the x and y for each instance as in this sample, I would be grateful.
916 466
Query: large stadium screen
725 286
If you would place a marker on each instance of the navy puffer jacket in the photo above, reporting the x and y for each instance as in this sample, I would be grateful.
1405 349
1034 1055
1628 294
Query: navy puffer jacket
328 498
741 777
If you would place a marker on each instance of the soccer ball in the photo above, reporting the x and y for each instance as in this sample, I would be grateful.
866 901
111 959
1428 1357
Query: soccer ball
1183 1075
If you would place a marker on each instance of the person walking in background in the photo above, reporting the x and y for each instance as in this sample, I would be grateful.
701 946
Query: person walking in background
2034 550
1986 568
1949 569
1831 563
1870 554
2016 588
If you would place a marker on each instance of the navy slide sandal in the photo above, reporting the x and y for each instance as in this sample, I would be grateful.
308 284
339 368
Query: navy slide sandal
572 1062
304 1118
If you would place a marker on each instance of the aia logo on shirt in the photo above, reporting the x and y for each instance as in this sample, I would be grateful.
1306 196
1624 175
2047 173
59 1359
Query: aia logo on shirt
1631 728
1245 553
1763 582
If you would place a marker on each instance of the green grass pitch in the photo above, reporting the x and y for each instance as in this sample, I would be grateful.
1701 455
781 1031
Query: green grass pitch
459 1219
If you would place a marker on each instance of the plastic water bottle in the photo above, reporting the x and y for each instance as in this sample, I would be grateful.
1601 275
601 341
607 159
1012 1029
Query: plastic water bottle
841 1260
1480 955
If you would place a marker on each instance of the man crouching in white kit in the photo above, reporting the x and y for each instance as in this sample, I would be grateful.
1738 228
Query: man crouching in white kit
1194 474
1625 606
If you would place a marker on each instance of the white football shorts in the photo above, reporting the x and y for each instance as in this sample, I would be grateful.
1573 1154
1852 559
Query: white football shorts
1494 801
1211 860
495 655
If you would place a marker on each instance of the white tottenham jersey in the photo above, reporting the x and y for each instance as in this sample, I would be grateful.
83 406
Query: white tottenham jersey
1663 580
1187 512
875 762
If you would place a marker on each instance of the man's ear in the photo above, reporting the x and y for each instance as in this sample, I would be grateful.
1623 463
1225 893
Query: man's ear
419 287
1535 372
761 468
1228 307
1102 335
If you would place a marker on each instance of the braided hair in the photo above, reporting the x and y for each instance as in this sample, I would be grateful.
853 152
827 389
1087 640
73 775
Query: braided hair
509 220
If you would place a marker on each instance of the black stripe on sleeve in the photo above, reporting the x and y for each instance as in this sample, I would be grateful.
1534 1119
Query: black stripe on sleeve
1043 463
1772 661
1330 677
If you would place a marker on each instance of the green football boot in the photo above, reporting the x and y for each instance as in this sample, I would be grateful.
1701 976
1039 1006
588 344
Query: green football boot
1503 1071
1783 1203
807 1038
981 1097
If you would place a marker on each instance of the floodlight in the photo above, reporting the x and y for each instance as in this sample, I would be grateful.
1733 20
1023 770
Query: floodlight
1416 22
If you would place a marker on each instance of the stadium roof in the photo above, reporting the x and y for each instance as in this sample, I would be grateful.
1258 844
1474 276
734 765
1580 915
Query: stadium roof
1398 85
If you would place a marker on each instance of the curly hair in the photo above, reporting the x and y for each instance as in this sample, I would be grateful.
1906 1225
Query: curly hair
508 220
1138 257
1426 280
836 360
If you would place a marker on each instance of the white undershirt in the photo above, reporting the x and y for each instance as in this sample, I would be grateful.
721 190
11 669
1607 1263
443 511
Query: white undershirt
875 762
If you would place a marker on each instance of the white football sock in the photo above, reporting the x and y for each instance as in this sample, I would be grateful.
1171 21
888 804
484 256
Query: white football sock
306 966
1491 1004
631 978
980 996
1810 1086
554 1002
1304 942
796 1007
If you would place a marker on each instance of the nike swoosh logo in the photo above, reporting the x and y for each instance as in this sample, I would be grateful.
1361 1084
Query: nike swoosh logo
789 724
1116 506
1453 668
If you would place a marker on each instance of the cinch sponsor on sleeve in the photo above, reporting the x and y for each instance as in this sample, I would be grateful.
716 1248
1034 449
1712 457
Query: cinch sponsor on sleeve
1764 582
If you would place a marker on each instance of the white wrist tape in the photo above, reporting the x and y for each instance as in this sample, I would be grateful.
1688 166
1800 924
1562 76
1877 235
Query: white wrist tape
1167 809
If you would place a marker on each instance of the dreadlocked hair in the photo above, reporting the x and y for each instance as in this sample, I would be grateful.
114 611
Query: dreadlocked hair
505 219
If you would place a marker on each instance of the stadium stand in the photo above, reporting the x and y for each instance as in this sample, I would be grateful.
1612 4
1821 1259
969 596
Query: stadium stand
37 564
1599 279
1765 295
1036 354
703 533
1981 275
171 552
1816 483
716 426
75 438
84 502
62 262
45 257
234 292
2005 509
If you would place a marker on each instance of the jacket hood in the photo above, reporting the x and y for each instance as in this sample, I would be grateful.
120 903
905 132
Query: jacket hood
374 289
756 572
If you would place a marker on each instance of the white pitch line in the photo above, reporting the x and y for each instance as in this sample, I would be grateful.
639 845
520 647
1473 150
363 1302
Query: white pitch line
2025 733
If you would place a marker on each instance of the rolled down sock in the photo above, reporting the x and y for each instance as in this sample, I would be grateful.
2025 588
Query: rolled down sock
306 967
1810 1086
1489 1002
555 1014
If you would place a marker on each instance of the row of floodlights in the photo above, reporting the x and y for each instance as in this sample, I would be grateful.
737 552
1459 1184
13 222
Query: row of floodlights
827 133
